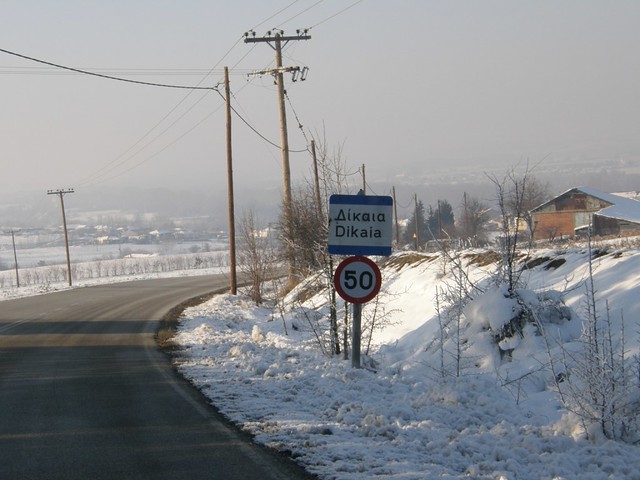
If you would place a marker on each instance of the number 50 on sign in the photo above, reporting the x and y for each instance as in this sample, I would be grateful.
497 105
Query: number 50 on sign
357 279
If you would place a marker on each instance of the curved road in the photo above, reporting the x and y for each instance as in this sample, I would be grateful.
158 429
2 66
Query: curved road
86 394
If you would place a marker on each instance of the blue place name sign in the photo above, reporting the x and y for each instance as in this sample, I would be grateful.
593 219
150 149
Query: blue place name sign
360 224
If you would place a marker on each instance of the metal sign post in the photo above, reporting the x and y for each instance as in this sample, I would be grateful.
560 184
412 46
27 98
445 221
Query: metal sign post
357 280
356 335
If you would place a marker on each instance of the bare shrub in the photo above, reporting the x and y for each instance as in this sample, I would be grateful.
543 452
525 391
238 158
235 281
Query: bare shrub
256 256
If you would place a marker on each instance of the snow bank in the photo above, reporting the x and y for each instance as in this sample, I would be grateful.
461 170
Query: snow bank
500 419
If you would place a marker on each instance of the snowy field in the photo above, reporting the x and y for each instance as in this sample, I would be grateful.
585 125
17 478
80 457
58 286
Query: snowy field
419 413
51 251
104 263
12 292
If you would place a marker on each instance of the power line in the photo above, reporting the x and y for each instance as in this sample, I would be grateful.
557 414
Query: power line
100 75
111 75
336 172
300 13
336 14
115 163
145 160
369 188
246 122
37 71
404 207
96 175
265 145
295 114
275 14
111 166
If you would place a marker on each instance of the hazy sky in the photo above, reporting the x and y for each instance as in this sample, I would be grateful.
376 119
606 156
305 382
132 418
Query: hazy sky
406 86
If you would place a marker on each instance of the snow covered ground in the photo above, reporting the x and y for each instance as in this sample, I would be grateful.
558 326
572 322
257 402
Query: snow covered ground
412 416
499 419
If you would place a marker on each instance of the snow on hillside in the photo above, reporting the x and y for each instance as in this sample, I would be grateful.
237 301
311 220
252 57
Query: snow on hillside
418 412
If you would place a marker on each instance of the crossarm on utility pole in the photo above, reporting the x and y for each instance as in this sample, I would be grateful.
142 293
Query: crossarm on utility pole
283 38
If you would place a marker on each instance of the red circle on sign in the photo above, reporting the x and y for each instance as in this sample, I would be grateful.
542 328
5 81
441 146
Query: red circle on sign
357 279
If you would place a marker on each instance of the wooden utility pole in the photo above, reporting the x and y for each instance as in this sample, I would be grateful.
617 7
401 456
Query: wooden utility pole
61 194
417 231
15 258
364 180
395 214
465 218
233 285
333 315
276 41
316 179
439 221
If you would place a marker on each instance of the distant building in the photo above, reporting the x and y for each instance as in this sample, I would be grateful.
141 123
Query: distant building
573 211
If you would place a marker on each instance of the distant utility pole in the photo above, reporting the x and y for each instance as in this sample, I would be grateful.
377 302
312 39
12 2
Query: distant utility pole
276 40
316 179
61 194
15 258
233 289
395 214
416 234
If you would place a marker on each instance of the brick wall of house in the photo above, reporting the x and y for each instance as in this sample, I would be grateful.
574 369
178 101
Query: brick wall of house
550 225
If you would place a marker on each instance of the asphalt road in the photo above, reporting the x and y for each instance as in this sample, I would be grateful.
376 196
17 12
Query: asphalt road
86 394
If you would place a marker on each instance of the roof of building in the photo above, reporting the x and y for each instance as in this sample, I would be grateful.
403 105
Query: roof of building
621 208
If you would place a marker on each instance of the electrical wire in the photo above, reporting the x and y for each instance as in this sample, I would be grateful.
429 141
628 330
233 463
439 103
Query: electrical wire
111 166
254 130
300 13
297 119
109 77
333 171
38 71
275 14
96 179
336 14
98 175
170 144
404 207
108 167
369 188
265 145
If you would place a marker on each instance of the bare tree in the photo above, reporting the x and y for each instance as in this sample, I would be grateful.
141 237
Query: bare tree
510 197
255 256
376 319
511 193
306 234
473 219
534 192
599 384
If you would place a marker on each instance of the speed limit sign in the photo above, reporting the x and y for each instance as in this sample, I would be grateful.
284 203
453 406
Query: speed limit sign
357 279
